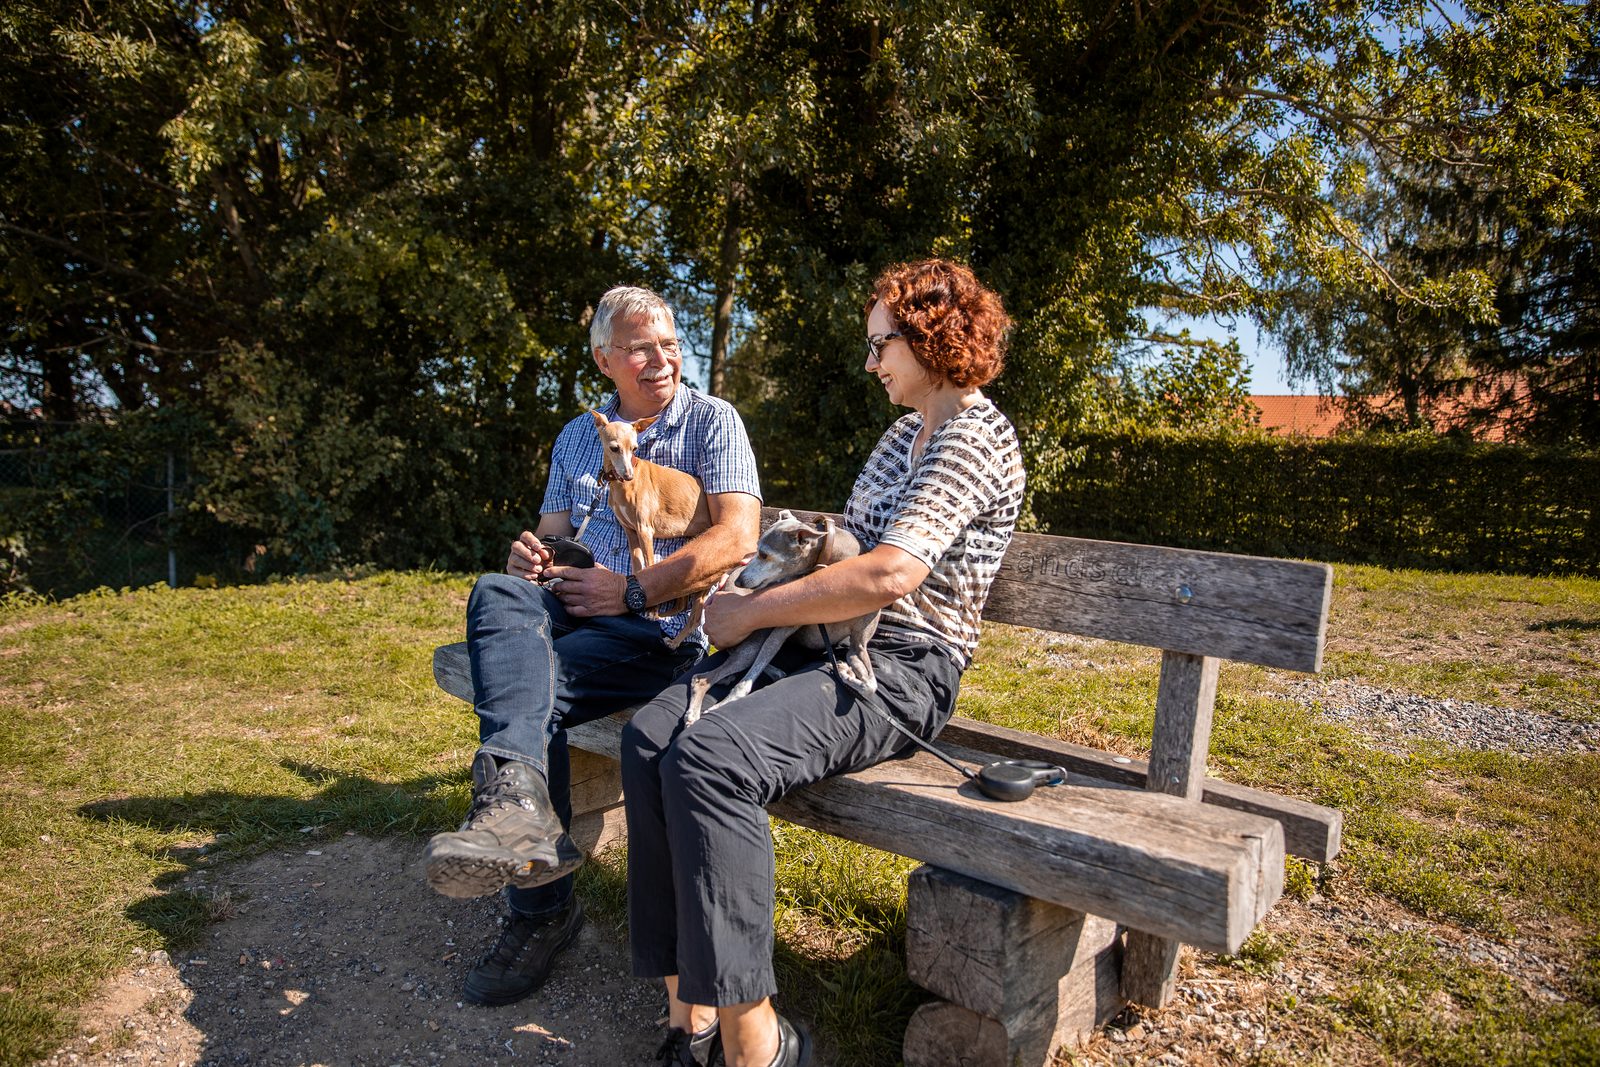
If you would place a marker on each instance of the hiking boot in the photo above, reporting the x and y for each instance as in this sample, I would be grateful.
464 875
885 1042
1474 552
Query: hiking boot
511 836
683 1049
520 961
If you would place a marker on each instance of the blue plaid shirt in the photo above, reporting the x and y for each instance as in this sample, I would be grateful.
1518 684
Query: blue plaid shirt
699 434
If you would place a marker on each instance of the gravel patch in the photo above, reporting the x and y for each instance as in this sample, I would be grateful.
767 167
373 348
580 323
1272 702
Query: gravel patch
1389 716
339 954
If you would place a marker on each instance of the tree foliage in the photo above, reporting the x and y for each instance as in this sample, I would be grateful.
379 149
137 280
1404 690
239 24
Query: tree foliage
1491 302
357 245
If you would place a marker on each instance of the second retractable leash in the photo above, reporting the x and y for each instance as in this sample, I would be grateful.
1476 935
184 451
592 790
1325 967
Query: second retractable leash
1007 779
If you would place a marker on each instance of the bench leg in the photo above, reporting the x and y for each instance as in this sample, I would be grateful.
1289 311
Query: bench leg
597 814
1184 702
1019 977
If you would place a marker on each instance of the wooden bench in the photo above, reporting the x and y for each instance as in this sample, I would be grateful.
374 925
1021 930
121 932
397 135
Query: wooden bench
1034 922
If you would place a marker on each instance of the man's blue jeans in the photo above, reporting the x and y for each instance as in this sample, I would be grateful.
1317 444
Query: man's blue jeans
537 670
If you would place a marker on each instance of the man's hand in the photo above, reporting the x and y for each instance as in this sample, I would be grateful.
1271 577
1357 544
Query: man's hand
528 557
589 591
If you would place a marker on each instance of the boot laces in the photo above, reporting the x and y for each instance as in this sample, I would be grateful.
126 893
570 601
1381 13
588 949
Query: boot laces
500 790
513 939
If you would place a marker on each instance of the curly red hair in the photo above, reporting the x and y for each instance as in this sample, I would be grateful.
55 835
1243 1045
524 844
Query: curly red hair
955 325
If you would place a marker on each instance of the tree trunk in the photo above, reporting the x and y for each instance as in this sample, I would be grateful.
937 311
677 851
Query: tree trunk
60 400
722 311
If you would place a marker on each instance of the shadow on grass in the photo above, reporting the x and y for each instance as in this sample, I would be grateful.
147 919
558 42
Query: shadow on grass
242 825
1565 626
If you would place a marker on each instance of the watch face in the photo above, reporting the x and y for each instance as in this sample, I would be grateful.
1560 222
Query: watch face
634 597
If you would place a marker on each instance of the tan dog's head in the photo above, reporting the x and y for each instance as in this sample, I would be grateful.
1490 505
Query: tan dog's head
618 442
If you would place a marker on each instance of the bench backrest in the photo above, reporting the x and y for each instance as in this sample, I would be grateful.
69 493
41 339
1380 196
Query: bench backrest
1251 609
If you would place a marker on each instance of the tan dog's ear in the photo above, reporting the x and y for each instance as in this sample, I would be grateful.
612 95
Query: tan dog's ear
644 424
600 421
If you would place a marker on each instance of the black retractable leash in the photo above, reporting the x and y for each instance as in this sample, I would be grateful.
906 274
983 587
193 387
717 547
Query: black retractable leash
1007 779
568 552
571 551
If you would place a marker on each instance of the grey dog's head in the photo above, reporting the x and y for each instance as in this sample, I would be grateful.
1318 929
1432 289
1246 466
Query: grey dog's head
790 548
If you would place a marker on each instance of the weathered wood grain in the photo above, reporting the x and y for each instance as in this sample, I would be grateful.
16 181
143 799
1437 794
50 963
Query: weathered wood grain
453 671
1185 698
945 1034
990 949
1250 609
1311 831
594 831
1147 861
1184 701
596 781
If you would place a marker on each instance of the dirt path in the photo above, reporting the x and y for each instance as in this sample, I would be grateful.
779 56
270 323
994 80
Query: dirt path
339 954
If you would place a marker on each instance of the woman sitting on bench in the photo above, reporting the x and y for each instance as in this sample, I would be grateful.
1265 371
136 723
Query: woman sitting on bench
934 509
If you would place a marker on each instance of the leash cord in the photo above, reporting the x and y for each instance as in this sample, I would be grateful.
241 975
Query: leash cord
884 712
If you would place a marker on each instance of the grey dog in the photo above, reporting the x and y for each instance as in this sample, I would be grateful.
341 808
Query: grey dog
788 550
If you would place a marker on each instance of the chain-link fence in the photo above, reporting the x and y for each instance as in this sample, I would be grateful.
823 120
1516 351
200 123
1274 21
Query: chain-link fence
82 506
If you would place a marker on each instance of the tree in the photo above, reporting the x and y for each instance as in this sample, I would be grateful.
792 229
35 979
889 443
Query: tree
361 246
1488 296
391 225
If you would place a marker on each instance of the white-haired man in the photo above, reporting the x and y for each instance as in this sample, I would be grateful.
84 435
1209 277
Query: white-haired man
546 659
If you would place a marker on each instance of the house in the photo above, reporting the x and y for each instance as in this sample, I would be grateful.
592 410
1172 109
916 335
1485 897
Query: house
1484 411
1306 416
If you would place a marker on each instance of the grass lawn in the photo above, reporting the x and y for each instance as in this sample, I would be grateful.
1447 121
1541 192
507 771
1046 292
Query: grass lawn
146 734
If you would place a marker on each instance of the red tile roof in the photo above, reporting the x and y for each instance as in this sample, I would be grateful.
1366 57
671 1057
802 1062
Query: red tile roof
1312 416
1323 416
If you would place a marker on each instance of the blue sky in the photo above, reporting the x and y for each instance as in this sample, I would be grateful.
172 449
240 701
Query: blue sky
1267 372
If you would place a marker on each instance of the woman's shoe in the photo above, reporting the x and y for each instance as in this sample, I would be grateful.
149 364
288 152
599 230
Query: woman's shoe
794 1045
700 1049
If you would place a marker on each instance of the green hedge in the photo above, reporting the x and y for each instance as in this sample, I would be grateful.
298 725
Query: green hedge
1400 501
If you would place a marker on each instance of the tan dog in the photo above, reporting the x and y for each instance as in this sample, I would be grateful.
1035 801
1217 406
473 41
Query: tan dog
649 500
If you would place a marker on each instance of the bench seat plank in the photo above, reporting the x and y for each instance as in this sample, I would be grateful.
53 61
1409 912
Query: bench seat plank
1310 831
1201 874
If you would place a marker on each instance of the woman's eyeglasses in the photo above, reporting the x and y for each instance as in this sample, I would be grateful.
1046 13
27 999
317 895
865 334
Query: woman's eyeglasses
875 343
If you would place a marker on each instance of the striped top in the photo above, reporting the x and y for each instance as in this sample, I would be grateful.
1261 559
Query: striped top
955 512
699 434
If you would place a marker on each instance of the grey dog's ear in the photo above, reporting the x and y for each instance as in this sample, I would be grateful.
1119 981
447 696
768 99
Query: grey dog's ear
828 553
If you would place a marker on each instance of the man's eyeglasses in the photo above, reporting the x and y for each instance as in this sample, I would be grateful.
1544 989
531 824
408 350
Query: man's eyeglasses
875 343
645 349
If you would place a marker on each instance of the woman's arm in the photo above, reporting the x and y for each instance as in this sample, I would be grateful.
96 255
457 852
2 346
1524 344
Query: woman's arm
843 591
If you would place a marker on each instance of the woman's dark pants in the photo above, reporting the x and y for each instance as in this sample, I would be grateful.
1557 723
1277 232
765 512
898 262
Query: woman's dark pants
700 864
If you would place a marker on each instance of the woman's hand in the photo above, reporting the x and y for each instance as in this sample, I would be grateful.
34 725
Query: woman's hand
731 616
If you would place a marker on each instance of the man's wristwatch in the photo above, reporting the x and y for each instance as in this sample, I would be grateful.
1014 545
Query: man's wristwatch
634 597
